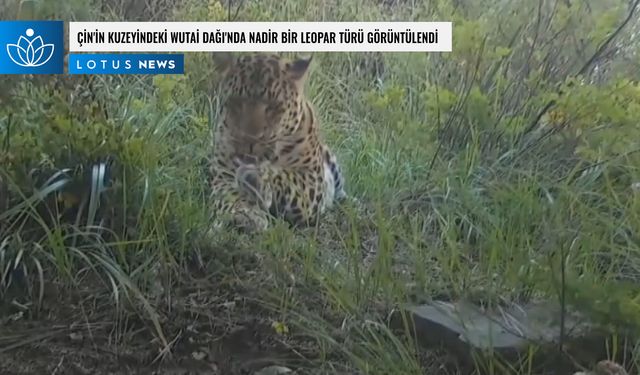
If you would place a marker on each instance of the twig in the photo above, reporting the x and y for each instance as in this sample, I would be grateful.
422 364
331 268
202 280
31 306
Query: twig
7 138
563 302
55 370
235 16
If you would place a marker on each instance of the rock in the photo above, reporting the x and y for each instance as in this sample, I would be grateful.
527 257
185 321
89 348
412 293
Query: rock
609 368
274 370
198 356
508 332
605 368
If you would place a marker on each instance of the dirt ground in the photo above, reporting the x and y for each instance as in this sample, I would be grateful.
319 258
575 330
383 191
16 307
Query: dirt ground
209 327
61 350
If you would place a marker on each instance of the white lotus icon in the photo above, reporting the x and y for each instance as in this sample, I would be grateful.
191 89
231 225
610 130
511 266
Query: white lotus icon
30 52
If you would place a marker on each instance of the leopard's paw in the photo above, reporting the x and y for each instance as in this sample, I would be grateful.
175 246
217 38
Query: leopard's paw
251 182
251 220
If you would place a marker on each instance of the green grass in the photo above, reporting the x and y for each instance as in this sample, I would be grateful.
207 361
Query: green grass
459 199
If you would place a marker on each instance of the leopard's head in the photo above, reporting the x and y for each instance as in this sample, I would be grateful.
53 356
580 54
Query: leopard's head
275 81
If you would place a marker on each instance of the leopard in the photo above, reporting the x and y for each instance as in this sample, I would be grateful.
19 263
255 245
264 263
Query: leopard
288 167
239 198
251 126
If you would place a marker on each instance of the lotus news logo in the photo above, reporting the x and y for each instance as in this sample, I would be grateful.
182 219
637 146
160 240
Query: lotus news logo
30 52
27 52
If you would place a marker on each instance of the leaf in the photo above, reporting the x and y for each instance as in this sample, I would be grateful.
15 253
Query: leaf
503 51
280 328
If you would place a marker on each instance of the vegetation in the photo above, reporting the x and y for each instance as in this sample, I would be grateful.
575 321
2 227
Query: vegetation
501 172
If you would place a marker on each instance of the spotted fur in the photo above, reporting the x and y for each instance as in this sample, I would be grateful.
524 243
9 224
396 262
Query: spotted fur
286 159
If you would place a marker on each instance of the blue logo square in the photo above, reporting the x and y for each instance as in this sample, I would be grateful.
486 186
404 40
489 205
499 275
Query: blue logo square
31 47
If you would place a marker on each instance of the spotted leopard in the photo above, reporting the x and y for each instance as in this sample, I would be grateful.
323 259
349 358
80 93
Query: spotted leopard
239 197
290 160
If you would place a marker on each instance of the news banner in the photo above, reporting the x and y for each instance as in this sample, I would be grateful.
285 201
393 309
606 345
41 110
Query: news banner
38 47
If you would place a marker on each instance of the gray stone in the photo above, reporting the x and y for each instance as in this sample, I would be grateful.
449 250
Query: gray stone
463 327
274 370
605 367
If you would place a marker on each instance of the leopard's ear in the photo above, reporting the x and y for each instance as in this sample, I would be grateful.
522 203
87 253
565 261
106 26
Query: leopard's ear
298 68
222 61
